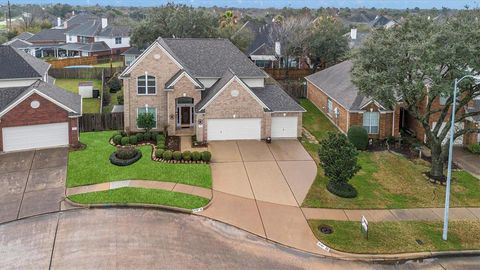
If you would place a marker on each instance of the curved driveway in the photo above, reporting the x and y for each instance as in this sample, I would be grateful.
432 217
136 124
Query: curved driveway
152 239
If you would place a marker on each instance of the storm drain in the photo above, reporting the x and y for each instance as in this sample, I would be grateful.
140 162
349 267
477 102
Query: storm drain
325 229
420 242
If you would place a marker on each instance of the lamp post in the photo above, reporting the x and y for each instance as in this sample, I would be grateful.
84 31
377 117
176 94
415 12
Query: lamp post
450 157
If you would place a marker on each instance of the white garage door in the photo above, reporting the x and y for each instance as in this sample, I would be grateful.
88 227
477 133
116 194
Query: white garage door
35 136
458 126
284 127
234 129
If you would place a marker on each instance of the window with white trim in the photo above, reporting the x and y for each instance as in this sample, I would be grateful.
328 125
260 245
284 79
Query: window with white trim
118 40
330 106
370 122
151 110
146 85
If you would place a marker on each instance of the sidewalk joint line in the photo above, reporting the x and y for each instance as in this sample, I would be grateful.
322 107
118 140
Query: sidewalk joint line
26 183
54 241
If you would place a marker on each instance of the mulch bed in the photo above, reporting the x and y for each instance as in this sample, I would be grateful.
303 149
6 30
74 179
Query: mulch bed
173 143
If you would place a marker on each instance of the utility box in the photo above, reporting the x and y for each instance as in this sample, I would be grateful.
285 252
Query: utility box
85 89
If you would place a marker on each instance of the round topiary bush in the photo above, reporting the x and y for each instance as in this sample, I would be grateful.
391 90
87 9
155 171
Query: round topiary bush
117 139
177 155
161 146
124 156
187 155
159 153
147 136
160 137
167 155
124 141
139 137
196 156
153 135
342 189
123 133
358 136
132 139
206 156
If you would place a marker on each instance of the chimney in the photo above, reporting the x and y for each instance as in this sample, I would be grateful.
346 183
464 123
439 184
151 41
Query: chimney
73 13
353 33
59 22
278 50
104 22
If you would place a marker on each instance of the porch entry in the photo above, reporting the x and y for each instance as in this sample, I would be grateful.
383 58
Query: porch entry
185 112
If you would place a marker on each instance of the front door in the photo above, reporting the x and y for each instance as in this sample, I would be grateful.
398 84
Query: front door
185 116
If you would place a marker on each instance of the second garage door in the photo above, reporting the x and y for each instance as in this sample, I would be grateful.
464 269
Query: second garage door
35 136
284 127
234 129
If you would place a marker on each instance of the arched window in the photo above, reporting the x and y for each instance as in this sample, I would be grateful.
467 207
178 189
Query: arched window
146 85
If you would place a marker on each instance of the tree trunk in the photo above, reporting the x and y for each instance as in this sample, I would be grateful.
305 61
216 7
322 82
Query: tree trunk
436 171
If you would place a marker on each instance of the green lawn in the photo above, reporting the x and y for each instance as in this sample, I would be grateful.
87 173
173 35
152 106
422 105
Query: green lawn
141 196
398 236
113 101
92 166
90 105
386 180
107 65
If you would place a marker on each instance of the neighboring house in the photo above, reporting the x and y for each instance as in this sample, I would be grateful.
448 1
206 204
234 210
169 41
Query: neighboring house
355 38
262 49
333 92
130 55
33 112
209 88
383 21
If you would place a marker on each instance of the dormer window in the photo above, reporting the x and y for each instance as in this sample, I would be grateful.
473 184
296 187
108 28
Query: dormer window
146 85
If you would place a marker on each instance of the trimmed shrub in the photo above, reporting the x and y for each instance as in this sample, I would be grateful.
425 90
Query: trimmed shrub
206 156
474 148
147 136
125 156
124 141
160 137
123 133
196 156
358 136
116 133
117 139
167 155
154 135
114 85
139 137
126 152
161 146
132 139
177 155
342 189
159 153
187 155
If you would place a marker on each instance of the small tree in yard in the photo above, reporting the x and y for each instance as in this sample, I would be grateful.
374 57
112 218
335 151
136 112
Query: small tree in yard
338 158
146 121
418 62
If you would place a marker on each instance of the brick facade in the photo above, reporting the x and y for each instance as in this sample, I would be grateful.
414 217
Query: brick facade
48 113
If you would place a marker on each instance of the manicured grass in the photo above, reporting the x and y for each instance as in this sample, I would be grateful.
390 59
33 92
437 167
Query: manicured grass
315 121
107 65
92 166
141 196
90 105
386 180
398 236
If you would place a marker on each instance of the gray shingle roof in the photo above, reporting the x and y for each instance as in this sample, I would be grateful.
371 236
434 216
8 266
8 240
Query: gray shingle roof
18 64
264 49
68 99
95 47
49 35
209 93
211 57
336 82
18 43
114 31
80 18
88 29
24 36
276 99
178 74
132 51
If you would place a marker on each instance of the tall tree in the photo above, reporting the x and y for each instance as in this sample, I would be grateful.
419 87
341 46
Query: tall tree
418 62
238 34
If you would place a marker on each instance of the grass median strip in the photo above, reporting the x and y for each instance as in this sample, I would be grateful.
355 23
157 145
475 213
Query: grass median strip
92 166
141 196
390 237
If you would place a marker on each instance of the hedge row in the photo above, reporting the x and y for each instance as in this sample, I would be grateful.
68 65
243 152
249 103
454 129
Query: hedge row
168 155
121 138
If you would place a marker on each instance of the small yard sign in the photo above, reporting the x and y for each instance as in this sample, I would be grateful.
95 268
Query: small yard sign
364 226
323 246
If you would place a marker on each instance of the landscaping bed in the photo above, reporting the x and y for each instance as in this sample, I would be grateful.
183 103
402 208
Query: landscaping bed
92 165
130 195
390 237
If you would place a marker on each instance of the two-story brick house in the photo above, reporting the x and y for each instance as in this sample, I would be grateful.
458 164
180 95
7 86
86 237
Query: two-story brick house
209 88
334 93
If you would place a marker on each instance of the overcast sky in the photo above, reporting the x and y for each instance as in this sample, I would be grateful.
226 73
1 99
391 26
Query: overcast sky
400 4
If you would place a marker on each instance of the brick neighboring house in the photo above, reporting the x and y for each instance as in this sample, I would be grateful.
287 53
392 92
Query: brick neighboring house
333 92
34 113
209 88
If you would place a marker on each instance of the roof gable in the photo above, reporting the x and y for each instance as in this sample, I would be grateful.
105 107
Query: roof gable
17 64
179 75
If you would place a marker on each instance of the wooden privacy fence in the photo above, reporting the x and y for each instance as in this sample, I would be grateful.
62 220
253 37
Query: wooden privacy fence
295 89
84 60
288 74
83 73
101 121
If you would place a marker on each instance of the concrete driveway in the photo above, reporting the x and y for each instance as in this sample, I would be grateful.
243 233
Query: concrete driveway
32 182
259 187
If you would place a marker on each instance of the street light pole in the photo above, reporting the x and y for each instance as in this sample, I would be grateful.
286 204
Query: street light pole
450 157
